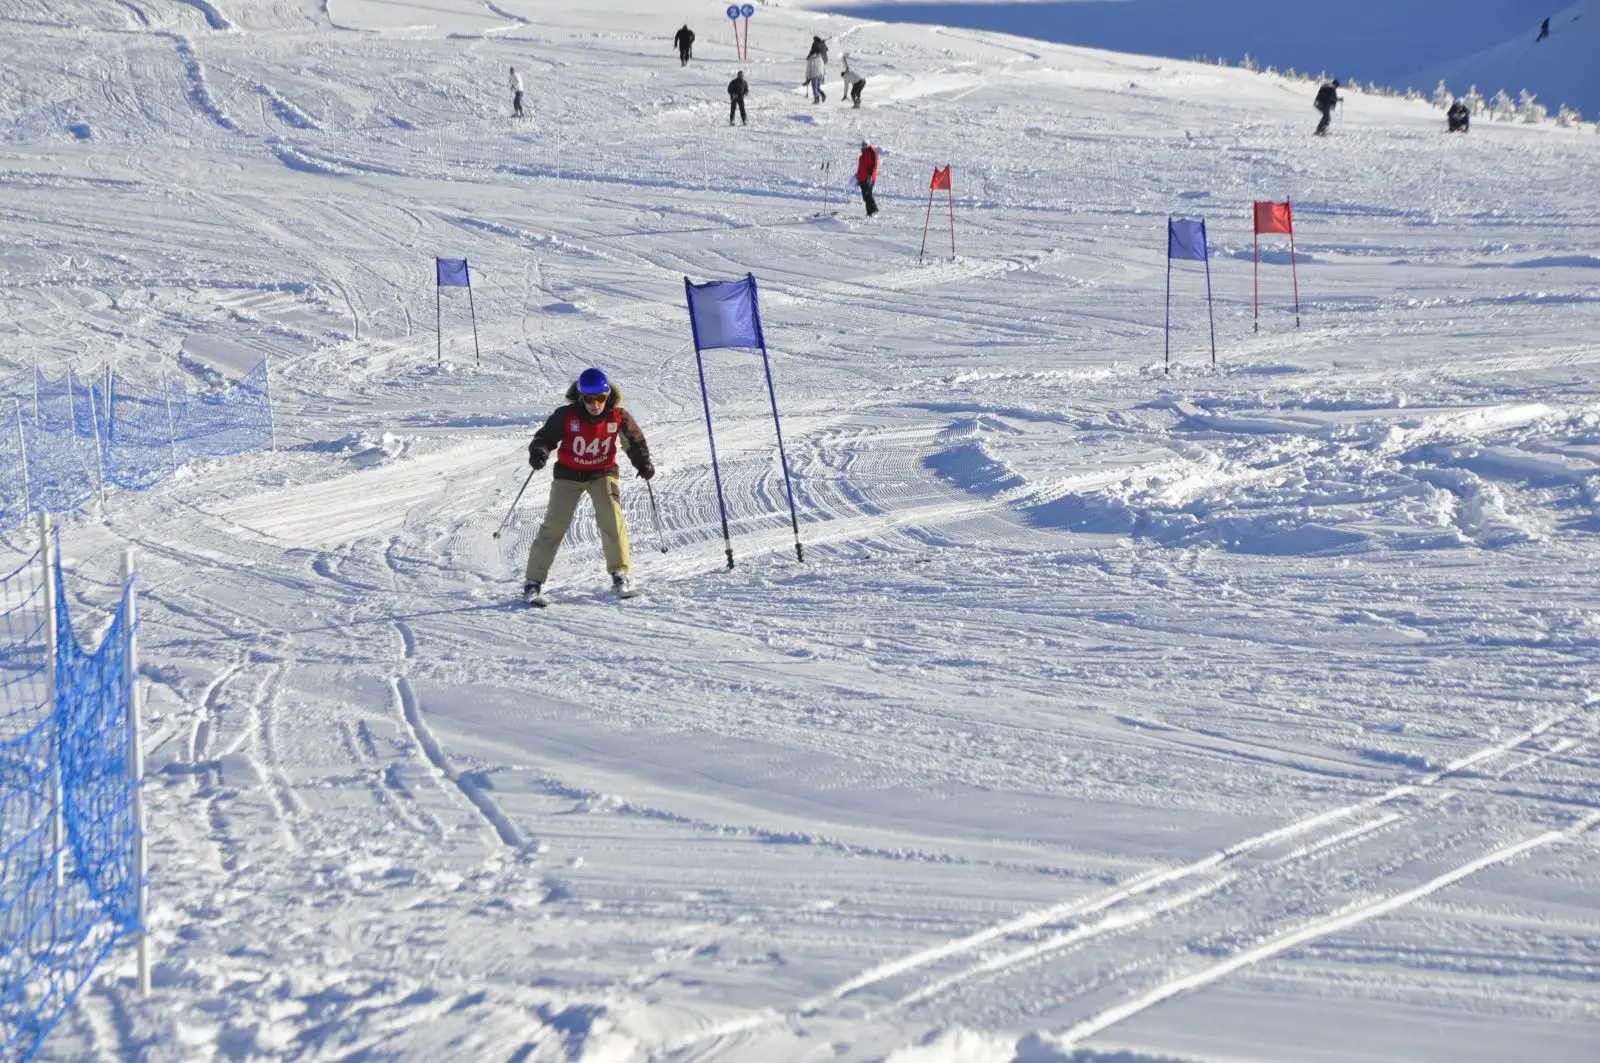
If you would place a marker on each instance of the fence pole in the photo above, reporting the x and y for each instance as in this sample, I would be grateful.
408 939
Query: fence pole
130 678
99 450
172 431
272 422
22 440
58 824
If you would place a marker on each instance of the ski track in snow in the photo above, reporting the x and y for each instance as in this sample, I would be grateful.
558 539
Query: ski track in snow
1120 711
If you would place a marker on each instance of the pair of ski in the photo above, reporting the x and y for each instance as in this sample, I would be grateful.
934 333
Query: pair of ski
540 600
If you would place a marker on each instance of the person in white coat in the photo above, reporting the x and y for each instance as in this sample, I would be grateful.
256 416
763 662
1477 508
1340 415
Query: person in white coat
816 70
853 83
516 94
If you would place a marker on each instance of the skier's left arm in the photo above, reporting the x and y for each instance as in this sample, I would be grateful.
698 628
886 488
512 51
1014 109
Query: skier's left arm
634 445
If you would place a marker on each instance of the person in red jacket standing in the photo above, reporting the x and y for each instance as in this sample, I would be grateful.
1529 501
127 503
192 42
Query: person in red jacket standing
867 175
586 435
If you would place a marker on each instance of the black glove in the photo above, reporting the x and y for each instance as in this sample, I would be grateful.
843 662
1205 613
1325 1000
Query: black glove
537 457
646 471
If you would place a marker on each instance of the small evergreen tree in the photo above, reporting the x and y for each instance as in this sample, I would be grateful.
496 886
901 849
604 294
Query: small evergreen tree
1529 109
1441 96
1474 101
1501 106
1568 117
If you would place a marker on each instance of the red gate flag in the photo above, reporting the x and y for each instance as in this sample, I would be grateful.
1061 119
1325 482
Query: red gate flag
1274 217
941 180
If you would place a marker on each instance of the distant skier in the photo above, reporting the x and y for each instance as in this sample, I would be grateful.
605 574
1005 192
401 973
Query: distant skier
585 435
816 70
684 39
516 94
1458 116
738 89
1544 31
853 83
1327 100
867 176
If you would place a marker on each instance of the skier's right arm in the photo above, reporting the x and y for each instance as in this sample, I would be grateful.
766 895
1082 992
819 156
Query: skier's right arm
547 439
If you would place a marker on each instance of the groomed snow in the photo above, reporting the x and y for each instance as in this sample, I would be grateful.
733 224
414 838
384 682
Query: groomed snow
1244 712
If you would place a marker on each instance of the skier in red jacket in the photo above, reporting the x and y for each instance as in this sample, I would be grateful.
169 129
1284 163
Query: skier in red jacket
867 175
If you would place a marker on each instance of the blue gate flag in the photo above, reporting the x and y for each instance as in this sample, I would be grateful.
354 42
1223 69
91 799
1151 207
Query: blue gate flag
453 273
1186 239
724 314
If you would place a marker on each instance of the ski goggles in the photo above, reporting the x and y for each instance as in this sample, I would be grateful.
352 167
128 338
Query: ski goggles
599 397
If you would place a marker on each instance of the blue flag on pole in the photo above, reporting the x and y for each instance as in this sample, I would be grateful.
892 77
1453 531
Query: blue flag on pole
724 314
1186 239
452 273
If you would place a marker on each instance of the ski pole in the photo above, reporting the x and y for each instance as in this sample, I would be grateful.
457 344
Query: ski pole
514 502
655 516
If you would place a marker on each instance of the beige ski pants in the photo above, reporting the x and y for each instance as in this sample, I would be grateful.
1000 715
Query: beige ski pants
564 498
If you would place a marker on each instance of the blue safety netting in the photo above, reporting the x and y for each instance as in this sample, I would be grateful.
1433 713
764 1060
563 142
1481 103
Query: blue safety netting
64 442
62 462
232 421
68 831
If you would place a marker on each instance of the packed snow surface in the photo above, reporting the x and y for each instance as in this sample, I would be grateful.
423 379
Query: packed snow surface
1242 712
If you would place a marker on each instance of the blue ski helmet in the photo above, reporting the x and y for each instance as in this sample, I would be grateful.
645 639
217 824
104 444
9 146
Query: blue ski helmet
593 382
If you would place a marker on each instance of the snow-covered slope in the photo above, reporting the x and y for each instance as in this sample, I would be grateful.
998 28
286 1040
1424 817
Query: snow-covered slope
1562 68
1237 712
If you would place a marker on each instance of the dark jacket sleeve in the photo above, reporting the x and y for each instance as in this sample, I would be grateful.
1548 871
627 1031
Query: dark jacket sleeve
551 433
633 442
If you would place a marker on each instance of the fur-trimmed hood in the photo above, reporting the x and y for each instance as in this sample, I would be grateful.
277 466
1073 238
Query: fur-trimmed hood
612 401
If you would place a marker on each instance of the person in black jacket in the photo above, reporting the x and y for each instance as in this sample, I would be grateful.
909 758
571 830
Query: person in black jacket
1458 116
1327 100
738 89
684 39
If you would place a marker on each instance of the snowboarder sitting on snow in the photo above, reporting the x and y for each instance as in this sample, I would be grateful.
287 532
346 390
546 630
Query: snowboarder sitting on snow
853 82
1458 116
684 39
585 435
1327 100
816 70
738 89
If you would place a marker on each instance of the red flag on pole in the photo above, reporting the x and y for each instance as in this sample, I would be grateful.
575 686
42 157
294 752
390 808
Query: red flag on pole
941 180
1274 217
